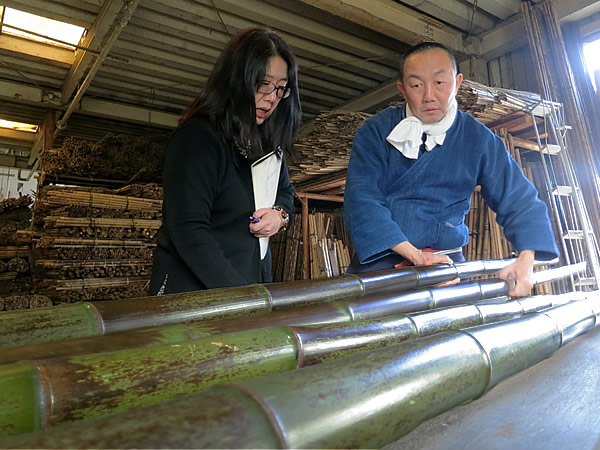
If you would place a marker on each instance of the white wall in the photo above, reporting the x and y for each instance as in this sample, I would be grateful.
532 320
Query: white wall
11 186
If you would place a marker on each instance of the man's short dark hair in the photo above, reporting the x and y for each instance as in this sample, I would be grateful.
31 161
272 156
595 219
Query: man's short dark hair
423 47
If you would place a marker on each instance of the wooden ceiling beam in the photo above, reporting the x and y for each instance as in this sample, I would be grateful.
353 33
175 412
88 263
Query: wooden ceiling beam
16 135
44 138
94 39
393 20
511 35
36 49
457 13
512 123
30 95
329 198
53 10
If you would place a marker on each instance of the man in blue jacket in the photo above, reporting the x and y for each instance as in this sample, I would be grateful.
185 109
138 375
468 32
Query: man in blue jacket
414 168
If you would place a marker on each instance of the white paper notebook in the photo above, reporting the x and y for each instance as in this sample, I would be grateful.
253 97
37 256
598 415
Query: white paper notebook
265 180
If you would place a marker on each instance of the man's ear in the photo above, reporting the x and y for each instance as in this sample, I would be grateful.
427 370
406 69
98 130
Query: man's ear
400 87
459 78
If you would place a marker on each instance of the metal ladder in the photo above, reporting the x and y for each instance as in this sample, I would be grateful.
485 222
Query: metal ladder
577 240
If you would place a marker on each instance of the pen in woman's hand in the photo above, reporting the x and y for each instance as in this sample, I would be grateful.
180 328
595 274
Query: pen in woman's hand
254 219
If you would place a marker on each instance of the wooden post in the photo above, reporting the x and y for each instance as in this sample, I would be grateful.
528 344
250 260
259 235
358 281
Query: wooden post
305 238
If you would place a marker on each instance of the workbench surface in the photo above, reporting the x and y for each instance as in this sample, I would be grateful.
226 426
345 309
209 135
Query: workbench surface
553 405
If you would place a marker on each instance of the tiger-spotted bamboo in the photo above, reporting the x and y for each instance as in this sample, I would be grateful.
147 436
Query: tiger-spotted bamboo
364 400
370 307
76 388
97 318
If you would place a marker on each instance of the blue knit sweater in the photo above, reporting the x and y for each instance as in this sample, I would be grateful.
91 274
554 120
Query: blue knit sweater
390 199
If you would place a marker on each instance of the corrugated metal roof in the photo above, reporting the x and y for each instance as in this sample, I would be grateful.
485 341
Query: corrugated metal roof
161 59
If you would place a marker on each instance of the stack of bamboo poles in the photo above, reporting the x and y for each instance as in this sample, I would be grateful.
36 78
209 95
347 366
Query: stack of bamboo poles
329 256
114 157
487 240
32 301
330 248
556 83
326 149
488 104
15 274
286 249
94 243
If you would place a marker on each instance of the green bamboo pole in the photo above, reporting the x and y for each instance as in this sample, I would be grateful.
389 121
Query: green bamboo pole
88 386
99 318
21 399
370 307
358 401
43 324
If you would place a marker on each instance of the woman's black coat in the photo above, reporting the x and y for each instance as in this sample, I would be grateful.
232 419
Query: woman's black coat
204 241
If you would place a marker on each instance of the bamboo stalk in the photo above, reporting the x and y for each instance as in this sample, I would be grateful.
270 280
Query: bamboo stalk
280 411
101 222
87 319
98 200
200 364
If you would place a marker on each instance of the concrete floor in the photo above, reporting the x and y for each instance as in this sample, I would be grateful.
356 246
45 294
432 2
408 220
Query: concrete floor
552 405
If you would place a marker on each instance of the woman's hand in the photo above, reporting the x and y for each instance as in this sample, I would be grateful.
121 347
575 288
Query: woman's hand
270 222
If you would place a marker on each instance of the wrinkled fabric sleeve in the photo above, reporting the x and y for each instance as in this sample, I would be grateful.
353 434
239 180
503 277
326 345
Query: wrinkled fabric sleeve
515 200
366 214
194 164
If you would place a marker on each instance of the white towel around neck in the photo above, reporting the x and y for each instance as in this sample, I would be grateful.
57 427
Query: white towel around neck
406 136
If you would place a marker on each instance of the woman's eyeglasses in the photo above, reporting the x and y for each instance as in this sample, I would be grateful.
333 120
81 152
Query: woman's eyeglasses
266 87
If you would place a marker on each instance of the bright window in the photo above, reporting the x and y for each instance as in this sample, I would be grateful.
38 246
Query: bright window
19 126
61 31
591 52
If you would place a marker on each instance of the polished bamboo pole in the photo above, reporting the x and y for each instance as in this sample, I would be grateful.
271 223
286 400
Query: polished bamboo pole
99 318
364 400
370 307
80 387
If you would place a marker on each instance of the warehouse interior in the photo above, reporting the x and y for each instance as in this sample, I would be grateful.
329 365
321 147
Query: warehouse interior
90 92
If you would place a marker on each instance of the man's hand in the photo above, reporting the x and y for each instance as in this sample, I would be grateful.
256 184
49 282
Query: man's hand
518 274
419 258
270 222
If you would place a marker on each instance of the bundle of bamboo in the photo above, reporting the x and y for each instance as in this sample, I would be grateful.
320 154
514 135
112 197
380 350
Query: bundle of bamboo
326 149
489 104
330 248
94 243
115 157
12 302
286 249
15 276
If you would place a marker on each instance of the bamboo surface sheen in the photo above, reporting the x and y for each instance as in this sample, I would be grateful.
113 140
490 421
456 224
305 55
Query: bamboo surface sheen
104 383
375 396
343 310
42 387
87 319
156 365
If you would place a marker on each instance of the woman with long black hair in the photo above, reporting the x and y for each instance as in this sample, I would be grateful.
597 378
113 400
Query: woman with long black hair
226 185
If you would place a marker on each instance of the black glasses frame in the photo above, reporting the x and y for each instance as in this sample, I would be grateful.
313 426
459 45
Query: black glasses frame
267 87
